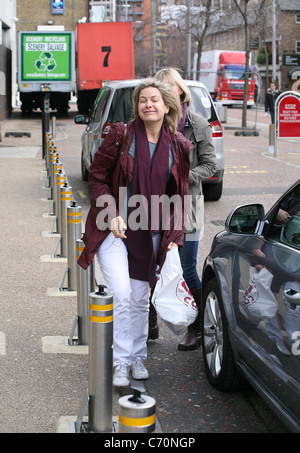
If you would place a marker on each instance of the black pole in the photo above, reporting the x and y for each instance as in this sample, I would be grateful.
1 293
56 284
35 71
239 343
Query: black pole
45 119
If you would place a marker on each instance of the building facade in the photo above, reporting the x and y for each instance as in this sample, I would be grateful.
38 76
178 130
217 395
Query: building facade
8 20
32 13
159 42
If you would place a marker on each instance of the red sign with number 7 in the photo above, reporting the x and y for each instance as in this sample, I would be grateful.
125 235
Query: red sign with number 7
104 53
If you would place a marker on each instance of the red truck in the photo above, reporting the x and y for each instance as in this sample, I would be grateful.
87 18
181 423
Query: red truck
223 72
104 53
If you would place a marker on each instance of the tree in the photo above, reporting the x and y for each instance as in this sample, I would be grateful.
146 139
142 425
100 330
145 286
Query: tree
242 6
190 19
198 33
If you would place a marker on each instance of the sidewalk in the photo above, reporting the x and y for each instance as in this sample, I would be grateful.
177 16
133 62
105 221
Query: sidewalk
43 381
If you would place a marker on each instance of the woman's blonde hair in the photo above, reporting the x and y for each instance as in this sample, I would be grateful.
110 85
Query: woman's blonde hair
169 99
172 74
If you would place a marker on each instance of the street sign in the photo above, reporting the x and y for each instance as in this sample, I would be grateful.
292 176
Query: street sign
291 60
57 6
289 117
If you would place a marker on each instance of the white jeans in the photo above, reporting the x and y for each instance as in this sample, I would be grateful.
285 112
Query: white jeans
130 300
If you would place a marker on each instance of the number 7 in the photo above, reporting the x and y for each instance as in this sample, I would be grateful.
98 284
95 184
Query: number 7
106 49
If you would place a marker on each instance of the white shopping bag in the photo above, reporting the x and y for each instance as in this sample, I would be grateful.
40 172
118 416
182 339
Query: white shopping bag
171 298
259 300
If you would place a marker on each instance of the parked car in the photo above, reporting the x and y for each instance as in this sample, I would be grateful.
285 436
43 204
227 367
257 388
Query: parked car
114 104
251 305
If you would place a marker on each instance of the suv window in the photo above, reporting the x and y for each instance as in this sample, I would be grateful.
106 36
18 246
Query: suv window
201 104
121 109
99 105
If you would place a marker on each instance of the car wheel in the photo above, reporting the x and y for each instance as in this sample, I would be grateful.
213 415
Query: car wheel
217 352
213 192
84 171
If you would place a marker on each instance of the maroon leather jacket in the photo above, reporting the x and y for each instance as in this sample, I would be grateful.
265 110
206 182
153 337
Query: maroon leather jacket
112 168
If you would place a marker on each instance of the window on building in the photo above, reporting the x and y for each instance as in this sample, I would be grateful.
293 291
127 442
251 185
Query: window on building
297 18
297 47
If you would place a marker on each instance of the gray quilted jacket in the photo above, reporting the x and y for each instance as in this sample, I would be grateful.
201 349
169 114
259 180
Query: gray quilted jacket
203 164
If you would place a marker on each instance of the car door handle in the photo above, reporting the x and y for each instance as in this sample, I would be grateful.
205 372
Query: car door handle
292 296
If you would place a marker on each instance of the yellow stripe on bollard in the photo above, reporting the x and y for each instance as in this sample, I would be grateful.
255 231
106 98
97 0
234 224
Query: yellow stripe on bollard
75 214
137 421
101 307
100 318
66 196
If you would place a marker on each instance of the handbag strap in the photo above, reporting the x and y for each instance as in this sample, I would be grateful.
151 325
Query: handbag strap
124 134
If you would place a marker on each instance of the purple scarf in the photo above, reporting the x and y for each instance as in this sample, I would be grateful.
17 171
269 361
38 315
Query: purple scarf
147 180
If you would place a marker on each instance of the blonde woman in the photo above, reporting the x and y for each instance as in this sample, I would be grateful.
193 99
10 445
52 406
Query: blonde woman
151 160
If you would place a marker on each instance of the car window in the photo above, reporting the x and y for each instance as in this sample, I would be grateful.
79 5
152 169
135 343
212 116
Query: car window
286 224
121 108
201 103
99 104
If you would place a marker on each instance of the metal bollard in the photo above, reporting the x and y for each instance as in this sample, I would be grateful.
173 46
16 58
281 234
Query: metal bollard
100 361
73 233
60 179
48 142
65 201
56 167
85 286
51 149
53 127
53 159
136 413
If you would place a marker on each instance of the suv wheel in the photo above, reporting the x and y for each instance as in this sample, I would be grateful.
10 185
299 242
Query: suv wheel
213 192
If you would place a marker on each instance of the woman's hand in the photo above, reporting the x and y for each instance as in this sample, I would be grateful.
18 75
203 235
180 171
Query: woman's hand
117 227
172 244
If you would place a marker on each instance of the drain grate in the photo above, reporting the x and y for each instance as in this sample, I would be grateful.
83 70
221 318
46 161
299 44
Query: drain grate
17 134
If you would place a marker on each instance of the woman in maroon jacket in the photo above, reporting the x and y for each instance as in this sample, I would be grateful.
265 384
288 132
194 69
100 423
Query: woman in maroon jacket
136 166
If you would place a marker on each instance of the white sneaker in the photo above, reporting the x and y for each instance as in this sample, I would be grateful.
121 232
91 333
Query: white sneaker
138 370
121 375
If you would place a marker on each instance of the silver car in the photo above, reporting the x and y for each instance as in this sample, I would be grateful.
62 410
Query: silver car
251 305
114 104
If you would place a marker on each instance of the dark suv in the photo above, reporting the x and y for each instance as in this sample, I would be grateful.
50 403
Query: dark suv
114 104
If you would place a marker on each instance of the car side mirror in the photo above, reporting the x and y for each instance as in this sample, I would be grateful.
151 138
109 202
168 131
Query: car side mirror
246 219
81 119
